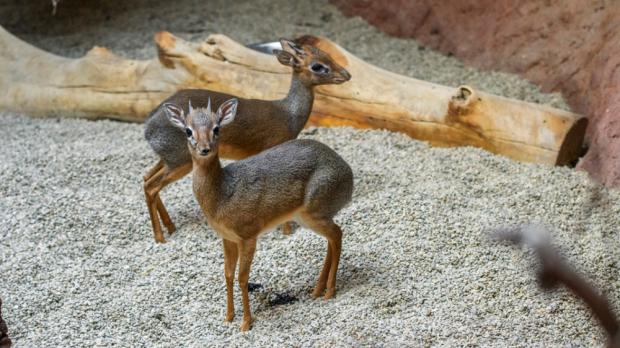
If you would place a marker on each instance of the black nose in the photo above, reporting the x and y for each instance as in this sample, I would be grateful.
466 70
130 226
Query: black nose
204 152
346 74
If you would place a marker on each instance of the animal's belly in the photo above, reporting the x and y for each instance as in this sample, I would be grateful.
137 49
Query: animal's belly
229 234
291 216
224 232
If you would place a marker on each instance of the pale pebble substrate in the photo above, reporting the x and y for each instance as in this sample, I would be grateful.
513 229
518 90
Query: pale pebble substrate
80 268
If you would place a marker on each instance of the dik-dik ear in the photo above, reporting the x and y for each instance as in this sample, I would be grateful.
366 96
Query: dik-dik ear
291 47
287 58
175 115
227 111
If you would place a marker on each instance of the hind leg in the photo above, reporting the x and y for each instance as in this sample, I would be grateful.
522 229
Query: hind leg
168 178
322 282
332 232
162 178
161 209
153 170
151 204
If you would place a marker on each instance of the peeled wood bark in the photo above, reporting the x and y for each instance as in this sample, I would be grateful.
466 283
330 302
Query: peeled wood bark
103 85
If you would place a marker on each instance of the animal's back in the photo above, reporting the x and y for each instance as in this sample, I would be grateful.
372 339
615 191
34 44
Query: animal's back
297 172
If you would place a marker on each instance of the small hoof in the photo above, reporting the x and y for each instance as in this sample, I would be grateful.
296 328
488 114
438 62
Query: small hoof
318 291
160 240
171 228
330 293
230 317
245 326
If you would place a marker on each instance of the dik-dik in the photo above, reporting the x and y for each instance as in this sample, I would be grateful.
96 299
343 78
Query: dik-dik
259 124
301 180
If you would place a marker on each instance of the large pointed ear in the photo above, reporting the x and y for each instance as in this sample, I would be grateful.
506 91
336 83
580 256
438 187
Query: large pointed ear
175 115
287 58
227 111
291 47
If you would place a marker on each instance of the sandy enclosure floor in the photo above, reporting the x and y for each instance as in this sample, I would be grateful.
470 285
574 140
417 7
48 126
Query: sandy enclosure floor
79 267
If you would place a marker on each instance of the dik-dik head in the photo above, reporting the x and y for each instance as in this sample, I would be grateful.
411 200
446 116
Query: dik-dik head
312 65
202 125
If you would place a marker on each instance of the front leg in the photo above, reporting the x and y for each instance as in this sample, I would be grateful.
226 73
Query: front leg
230 263
246 255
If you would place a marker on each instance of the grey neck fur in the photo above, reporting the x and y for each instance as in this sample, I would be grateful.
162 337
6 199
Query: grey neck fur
298 103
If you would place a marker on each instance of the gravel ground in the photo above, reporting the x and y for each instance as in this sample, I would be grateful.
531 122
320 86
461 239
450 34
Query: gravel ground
79 267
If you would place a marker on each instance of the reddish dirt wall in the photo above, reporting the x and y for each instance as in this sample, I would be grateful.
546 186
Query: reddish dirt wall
572 46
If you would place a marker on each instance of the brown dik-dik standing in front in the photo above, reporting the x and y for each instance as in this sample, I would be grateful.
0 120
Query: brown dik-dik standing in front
259 124
301 180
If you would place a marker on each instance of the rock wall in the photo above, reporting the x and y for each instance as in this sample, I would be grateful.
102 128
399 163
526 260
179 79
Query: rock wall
572 46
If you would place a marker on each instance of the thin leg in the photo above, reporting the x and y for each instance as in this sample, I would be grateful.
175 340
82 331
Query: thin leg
322 282
231 255
336 244
151 204
152 186
154 170
332 232
169 178
165 217
172 176
246 255
161 209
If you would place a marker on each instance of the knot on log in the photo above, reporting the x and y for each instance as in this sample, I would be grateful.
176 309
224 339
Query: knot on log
221 47
211 49
462 102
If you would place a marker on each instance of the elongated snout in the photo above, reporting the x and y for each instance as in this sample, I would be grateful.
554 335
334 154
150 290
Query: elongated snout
345 74
342 76
204 151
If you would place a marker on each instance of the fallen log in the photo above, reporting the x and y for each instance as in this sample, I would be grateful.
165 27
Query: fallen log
104 85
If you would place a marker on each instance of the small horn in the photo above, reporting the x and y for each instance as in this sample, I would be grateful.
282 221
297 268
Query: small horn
209 106
190 107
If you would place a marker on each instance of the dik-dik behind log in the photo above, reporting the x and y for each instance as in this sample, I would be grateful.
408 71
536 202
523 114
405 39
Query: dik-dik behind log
259 124
301 180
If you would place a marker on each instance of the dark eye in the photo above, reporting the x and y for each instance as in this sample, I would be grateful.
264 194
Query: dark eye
188 132
319 68
216 131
